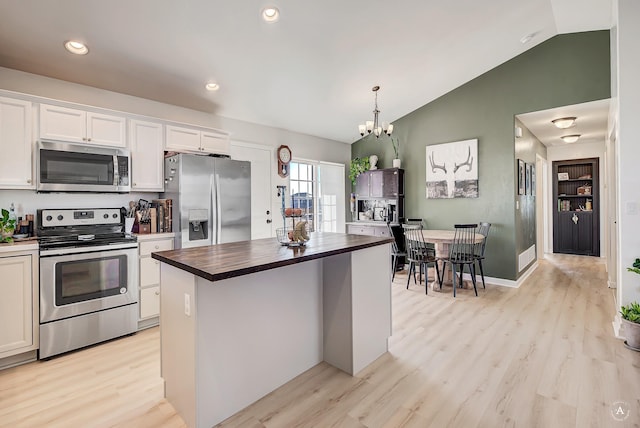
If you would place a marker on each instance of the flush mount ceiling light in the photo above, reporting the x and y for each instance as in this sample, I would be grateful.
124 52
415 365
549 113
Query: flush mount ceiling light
76 47
564 122
211 86
270 14
570 138
372 125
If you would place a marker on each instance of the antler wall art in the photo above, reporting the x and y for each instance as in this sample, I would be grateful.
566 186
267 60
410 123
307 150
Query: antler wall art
452 170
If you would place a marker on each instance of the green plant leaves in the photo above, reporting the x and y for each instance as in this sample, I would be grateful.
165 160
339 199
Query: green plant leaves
358 166
631 312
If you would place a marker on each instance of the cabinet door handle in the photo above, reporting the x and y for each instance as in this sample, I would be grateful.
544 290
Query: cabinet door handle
29 181
268 221
157 293
157 246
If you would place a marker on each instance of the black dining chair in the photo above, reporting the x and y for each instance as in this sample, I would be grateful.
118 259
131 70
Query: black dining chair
417 221
418 253
461 253
396 253
483 229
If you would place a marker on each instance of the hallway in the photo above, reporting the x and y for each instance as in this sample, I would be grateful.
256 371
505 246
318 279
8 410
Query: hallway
542 355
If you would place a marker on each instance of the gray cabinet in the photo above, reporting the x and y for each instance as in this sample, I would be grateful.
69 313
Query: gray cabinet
380 183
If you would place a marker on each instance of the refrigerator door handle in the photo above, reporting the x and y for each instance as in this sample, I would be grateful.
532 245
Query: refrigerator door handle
218 223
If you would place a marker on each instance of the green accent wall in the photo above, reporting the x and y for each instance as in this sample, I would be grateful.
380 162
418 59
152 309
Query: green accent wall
566 69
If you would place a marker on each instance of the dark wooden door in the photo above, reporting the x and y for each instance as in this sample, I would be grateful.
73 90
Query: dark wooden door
576 195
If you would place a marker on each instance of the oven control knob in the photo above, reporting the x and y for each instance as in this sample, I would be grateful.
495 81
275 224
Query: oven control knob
115 216
60 217
123 290
106 216
49 218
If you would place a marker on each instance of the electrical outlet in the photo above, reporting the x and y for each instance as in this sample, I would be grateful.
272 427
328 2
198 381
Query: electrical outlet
187 304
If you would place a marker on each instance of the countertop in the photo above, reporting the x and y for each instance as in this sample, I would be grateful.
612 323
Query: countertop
151 236
31 245
217 262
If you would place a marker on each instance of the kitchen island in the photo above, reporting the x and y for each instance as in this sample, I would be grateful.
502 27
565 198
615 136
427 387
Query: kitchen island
239 320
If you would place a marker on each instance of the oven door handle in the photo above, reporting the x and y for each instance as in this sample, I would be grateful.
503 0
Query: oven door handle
85 249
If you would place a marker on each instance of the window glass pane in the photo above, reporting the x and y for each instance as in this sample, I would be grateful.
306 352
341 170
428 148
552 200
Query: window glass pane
293 173
303 172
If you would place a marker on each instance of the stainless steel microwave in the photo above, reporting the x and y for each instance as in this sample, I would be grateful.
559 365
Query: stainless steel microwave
70 167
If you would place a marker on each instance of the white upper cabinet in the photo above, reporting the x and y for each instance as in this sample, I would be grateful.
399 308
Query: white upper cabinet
215 143
193 140
72 125
147 156
16 144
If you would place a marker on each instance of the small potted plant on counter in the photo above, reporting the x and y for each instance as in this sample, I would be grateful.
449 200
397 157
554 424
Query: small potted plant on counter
631 317
7 227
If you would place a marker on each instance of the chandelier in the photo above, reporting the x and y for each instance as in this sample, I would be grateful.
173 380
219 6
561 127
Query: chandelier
373 125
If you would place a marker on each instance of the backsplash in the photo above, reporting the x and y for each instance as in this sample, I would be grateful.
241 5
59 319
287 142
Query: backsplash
28 201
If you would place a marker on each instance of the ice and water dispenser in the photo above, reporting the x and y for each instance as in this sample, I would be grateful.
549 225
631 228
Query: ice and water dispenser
198 225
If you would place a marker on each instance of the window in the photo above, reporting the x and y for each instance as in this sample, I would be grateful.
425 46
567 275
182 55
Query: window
318 189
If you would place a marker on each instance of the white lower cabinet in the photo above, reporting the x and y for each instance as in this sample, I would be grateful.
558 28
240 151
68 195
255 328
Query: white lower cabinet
150 276
149 302
19 304
369 229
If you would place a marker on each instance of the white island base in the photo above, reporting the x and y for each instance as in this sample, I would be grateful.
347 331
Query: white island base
227 343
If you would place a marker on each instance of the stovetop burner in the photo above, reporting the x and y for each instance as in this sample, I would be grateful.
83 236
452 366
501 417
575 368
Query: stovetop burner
61 228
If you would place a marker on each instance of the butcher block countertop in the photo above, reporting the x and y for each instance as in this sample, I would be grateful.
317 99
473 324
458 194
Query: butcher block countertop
217 262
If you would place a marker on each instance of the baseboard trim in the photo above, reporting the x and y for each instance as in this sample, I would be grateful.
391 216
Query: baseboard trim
504 282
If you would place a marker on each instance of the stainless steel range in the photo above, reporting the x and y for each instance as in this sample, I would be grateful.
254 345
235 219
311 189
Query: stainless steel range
88 278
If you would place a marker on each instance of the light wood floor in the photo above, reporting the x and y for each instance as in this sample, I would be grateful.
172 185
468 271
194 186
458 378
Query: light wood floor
542 355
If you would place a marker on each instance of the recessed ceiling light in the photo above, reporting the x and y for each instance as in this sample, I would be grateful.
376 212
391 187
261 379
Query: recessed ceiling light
564 122
570 138
212 86
76 47
270 14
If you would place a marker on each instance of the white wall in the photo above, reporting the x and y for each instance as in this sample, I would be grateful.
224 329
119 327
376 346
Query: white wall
628 160
577 151
302 145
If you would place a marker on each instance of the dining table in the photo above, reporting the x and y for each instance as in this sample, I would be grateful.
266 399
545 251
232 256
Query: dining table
442 239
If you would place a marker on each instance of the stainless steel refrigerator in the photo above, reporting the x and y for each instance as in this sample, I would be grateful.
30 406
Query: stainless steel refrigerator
211 199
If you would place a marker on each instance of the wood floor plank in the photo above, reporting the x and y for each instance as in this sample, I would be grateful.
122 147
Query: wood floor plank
542 355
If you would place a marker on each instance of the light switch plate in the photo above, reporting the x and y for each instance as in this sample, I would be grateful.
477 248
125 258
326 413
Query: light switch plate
187 304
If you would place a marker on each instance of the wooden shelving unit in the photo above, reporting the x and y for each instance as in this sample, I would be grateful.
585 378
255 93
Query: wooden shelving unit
576 220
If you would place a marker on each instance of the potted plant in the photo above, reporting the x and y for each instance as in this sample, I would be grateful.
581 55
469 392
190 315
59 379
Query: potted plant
358 166
7 226
631 317
396 150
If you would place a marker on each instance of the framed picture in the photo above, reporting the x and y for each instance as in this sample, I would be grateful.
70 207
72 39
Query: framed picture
533 179
452 170
563 176
527 180
521 177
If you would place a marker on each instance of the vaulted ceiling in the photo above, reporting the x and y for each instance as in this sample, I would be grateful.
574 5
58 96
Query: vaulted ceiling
311 71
